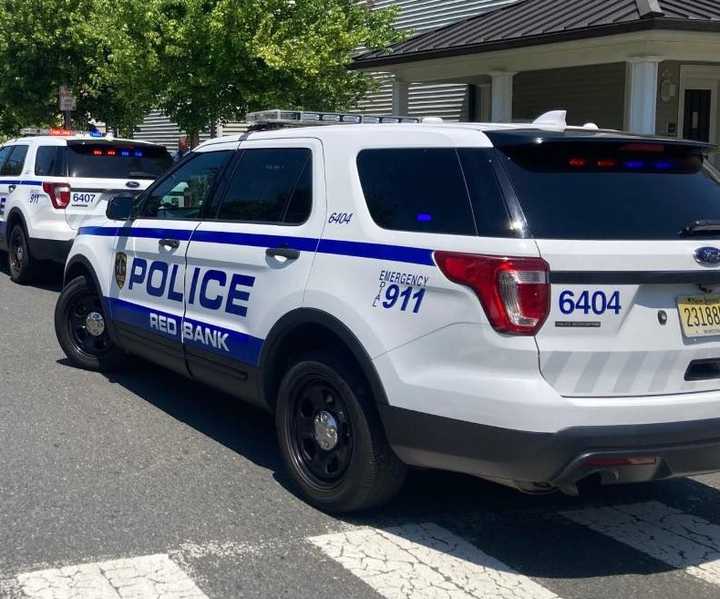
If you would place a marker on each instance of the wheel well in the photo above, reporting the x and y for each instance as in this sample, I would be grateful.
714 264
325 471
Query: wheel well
303 339
15 218
77 269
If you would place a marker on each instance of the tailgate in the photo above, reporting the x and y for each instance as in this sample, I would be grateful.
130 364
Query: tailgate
89 197
630 228
615 327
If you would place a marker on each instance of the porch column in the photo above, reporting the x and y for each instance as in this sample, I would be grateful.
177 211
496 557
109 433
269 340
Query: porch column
641 90
502 96
400 97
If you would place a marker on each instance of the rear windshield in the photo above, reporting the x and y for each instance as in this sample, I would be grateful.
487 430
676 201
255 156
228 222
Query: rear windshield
103 161
619 190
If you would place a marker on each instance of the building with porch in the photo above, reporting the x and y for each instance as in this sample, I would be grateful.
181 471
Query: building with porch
648 66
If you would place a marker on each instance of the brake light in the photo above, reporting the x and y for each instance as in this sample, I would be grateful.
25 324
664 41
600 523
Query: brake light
515 292
59 194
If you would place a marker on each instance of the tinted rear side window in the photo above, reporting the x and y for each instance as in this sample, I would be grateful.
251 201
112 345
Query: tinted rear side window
117 161
270 186
427 191
602 190
50 161
14 164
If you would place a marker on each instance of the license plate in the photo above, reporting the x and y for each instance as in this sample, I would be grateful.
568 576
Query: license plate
699 315
82 198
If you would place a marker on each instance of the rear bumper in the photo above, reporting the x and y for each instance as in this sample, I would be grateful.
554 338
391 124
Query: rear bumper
50 249
544 460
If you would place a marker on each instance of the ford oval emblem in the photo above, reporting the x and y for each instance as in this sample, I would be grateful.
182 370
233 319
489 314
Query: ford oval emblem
708 256
132 184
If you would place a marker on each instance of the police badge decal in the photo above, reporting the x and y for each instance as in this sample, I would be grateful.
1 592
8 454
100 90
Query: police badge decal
120 269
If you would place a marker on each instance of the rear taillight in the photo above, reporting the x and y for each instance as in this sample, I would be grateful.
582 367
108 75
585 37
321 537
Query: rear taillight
59 194
515 292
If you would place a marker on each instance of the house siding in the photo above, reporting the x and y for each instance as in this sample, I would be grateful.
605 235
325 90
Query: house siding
589 94
449 102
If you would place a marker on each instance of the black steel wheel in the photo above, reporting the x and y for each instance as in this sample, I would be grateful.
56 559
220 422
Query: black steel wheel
19 259
331 436
323 436
81 327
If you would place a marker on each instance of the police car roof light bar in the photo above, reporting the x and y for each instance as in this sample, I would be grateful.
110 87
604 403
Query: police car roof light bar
302 118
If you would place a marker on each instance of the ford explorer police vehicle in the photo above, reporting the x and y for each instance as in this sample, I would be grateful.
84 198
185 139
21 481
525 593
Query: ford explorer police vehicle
534 304
53 179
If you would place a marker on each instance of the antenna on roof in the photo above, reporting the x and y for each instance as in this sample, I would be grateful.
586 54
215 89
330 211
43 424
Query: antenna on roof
555 119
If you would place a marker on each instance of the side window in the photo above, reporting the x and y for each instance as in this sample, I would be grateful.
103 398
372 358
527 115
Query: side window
183 193
421 190
4 153
14 164
491 214
270 186
50 161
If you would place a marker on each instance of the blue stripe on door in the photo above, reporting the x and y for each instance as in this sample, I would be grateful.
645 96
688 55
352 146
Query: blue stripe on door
240 346
356 249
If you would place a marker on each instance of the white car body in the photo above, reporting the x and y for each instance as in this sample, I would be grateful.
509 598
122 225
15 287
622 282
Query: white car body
24 198
537 411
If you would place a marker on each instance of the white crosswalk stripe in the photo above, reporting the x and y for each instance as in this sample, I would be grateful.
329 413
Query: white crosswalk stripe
669 535
426 561
147 577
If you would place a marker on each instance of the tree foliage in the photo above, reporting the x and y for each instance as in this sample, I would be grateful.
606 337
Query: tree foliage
200 61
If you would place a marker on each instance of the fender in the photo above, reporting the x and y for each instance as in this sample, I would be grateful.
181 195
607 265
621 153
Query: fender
305 316
78 260
14 213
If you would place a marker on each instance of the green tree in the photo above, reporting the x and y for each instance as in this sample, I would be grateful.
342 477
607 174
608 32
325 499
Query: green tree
219 59
80 43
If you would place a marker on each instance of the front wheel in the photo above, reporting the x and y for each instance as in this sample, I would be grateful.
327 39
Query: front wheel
332 439
81 328
22 266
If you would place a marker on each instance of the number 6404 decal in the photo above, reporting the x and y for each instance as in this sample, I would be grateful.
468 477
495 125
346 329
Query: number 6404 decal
587 302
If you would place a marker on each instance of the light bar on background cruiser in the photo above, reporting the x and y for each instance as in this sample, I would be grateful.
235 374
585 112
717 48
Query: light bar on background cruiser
58 132
303 118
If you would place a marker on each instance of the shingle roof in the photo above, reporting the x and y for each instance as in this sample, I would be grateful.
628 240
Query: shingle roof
532 22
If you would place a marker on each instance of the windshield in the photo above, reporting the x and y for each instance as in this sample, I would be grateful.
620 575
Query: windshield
105 161
619 190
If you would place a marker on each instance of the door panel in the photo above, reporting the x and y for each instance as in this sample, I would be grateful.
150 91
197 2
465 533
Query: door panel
244 276
148 302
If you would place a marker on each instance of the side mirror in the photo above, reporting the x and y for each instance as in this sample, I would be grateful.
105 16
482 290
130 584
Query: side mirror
120 208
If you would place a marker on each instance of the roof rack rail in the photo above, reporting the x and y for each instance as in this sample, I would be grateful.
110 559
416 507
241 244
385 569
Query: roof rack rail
301 118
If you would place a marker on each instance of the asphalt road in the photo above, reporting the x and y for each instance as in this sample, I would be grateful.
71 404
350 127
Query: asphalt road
95 469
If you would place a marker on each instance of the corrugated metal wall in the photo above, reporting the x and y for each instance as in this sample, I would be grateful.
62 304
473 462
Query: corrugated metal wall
446 101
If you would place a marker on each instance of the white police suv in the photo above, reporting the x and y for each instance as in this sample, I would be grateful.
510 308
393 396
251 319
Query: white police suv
52 180
532 304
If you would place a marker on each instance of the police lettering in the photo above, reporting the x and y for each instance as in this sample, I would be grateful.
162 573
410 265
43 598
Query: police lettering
212 289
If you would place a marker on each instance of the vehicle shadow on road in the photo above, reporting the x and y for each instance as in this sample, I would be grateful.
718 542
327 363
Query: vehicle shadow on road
527 533
49 276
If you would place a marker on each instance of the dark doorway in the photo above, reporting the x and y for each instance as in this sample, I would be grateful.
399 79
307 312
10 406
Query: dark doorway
697 114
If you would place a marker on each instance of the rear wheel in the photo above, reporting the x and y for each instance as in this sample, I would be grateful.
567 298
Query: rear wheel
332 439
80 326
20 262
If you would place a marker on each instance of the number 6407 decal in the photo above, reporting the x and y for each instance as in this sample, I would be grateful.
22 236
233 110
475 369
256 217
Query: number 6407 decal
586 301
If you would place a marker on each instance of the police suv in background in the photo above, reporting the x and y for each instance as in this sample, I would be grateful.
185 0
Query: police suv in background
532 304
52 180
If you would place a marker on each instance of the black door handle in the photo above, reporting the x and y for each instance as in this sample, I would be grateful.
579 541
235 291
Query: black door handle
12 188
169 243
282 253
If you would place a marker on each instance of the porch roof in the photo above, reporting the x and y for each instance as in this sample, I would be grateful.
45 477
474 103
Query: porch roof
536 22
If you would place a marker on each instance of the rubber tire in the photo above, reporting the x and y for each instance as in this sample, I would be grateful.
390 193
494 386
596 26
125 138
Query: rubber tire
112 360
375 473
27 271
